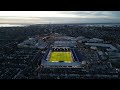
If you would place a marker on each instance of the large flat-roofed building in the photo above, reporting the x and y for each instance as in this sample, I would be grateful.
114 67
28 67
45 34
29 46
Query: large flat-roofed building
33 43
95 40
108 47
61 57
114 56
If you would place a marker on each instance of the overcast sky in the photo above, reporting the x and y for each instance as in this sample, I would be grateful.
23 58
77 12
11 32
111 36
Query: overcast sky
35 17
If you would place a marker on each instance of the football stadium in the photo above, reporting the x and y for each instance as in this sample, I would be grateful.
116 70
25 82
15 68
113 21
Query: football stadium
61 57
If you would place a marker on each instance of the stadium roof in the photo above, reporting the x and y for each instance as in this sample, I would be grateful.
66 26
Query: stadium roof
65 43
61 64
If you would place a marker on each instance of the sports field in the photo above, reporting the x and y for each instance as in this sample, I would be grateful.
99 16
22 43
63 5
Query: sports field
61 56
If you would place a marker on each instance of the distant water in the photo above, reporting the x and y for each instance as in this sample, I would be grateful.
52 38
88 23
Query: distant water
12 25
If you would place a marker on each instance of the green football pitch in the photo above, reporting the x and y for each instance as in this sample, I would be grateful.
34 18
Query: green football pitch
61 56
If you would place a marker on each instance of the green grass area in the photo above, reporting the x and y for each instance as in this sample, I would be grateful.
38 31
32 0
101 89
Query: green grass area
61 56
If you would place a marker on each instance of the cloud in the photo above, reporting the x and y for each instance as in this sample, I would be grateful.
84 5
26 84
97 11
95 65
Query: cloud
81 20
60 17
94 14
